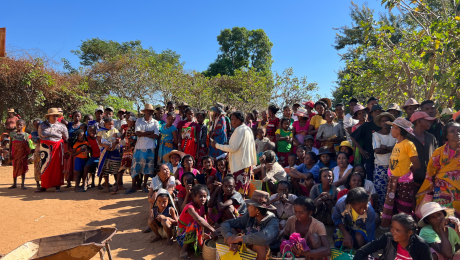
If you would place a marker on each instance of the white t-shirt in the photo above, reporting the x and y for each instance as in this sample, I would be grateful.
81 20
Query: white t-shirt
369 187
377 141
143 142
336 171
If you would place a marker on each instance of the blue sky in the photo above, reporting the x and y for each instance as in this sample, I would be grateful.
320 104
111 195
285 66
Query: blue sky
301 31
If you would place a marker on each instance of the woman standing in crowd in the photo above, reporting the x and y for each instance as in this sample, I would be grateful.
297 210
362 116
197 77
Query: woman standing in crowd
300 127
443 175
401 243
110 159
317 120
52 136
383 143
188 134
403 162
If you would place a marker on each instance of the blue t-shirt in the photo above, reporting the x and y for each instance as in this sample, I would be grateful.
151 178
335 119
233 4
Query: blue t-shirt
314 170
332 164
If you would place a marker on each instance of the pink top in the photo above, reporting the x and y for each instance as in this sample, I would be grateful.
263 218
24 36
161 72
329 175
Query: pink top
402 254
185 218
301 132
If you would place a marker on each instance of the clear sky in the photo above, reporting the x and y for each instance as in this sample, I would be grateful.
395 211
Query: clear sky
301 31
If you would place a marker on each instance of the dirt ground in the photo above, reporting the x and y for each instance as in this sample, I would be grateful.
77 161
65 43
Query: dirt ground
26 215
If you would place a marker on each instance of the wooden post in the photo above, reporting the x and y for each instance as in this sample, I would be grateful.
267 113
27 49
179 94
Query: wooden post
2 42
109 253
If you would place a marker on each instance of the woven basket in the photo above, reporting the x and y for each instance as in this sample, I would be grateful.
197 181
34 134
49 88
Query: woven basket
209 253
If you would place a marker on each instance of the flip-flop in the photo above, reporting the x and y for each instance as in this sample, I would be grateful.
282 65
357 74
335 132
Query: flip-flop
130 192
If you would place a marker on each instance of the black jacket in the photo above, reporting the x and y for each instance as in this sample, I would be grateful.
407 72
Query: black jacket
436 130
424 152
417 248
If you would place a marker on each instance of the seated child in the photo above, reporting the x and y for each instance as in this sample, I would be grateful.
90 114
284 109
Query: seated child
271 172
183 196
221 169
300 152
309 228
368 186
304 176
354 219
325 196
19 144
326 158
292 162
192 223
225 202
163 216
283 202
354 180
207 173
346 147
308 142
284 141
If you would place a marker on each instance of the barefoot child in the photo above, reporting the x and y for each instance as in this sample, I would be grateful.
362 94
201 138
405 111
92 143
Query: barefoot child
184 196
80 152
19 144
163 216
126 163
284 202
191 223
110 159
225 202
93 161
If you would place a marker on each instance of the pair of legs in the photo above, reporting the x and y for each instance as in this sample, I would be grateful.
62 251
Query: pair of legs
79 177
58 189
119 182
156 226
15 179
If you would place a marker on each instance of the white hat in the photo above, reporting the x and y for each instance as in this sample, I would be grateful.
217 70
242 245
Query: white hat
447 111
428 209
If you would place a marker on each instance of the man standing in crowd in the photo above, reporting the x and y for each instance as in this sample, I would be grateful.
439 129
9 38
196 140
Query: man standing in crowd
428 107
348 121
147 131
410 107
370 103
364 134
98 119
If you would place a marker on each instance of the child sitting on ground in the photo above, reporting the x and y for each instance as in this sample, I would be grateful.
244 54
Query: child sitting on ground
225 202
284 202
292 162
19 144
207 173
183 196
163 216
300 153
81 153
192 221
308 142
221 169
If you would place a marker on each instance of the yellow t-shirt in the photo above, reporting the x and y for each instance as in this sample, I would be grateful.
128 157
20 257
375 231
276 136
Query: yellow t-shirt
108 135
317 120
400 162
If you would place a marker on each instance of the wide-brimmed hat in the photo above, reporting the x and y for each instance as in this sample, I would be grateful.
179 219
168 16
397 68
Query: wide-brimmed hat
411 102
53 111
324 150
302 112
346 144
260 199
377 118
447 111
393 106
166 156
376 107
309 103
403 123
357 108
183 104
430 208
11 110
420 114
327 101
148 107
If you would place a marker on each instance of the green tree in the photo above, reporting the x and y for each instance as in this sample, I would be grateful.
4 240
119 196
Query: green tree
241 48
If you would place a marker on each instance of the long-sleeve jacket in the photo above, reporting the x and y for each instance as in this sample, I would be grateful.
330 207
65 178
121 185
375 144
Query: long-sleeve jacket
342 215
241 149
418 249
262 234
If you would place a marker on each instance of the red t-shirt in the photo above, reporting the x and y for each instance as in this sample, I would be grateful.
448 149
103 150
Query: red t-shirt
182 194
95 152
187 218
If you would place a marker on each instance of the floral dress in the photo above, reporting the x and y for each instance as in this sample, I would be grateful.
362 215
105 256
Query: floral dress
219 134
166 142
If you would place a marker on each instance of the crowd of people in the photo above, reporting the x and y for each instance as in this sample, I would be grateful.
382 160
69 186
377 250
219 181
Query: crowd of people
270 182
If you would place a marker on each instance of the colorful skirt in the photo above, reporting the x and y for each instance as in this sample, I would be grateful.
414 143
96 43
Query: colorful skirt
143 162
446 194
190 234
242 180
109 162
399 199
165 147
381 184
20 150
338 236
51 163
216 216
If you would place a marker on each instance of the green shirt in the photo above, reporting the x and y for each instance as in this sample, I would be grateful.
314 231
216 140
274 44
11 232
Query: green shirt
283 146
431 236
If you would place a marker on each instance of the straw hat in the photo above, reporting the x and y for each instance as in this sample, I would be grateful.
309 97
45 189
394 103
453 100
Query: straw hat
148 107
11 110
53 111
377 118
260 199
166 156
430 208
346 144
327 101
411 102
